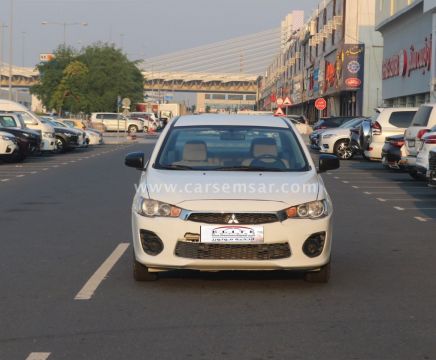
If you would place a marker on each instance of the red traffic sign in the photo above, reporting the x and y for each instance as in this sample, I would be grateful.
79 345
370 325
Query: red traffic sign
320 104
279 112
279 101
287 101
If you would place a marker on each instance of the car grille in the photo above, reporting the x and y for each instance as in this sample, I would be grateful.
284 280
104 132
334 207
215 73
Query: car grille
205 251
241 218
432 160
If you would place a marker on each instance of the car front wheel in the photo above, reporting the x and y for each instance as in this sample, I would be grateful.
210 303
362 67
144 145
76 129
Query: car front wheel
60 145
133 129
342 150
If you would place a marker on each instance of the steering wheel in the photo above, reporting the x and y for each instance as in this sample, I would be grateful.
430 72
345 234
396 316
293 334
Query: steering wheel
277 161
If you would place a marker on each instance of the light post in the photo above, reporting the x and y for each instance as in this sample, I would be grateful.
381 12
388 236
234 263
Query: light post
1 52
11 46
64 25
121 41
23 43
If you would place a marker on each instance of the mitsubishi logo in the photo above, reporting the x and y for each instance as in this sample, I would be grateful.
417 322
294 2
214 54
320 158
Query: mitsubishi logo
233 220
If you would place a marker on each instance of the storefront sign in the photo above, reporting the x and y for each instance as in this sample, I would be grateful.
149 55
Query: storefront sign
353 82
407 61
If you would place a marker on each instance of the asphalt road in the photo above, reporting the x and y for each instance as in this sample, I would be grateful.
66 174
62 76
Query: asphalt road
59 226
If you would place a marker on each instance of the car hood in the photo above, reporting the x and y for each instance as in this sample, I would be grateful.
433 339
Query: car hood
20 132
212 190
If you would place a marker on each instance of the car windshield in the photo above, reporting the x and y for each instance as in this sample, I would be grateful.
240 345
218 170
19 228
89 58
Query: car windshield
350 123
227 148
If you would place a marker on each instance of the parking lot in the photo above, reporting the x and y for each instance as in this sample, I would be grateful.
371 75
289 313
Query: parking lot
68 292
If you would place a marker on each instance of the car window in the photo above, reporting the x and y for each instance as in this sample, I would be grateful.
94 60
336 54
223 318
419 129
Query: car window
401 119
232 148
7 121
99 116
422 116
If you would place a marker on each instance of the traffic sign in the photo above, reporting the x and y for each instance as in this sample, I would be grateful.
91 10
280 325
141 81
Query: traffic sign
279 112
320 104
287 101
126 103
279 101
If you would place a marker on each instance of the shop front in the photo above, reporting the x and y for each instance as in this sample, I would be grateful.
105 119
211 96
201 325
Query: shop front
406 70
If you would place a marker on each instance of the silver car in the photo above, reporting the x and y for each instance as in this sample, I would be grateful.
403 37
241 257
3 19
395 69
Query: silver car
118 122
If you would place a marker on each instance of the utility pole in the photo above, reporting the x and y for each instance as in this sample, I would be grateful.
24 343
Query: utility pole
1 53
11 46
23 44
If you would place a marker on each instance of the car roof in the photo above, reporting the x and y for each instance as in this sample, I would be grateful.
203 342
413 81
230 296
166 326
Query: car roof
235 120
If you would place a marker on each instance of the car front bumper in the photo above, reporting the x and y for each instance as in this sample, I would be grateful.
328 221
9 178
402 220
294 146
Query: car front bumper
293 232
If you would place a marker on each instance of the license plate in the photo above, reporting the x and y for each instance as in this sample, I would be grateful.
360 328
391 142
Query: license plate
232 234
411 143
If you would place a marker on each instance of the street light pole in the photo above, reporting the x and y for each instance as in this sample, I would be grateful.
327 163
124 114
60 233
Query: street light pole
1 53
64 25
11 46
23 50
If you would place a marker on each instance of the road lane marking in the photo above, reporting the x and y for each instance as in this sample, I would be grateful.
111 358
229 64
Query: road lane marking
38 356
95 280
397 193
421 219
20 176
337 177
414 208
345 182
381 199
355 187
5 180
399 208
411 199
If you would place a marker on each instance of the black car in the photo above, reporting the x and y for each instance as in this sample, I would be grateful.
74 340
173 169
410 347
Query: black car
391 152
66 139
29 142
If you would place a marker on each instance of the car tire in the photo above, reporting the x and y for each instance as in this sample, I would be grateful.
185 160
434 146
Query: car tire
342 150
416 175
141 273
320 276
16 157
133 129
60 145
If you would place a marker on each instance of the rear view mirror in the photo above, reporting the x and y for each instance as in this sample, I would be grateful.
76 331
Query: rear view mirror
135 160
328 162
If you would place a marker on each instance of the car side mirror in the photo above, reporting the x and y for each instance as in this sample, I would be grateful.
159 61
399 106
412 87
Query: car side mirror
135 160
328 162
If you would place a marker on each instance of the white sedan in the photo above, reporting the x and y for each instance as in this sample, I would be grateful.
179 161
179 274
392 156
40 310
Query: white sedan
336 140
8 144
231 193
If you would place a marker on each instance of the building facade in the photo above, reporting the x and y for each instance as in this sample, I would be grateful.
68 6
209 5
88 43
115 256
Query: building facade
337 55
221 102
407 69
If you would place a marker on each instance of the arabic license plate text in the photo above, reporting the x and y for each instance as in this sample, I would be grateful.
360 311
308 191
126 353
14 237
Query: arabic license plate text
232 234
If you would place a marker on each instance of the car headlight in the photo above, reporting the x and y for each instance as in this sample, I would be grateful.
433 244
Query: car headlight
327 136
311 210
154 208
8 138
48 135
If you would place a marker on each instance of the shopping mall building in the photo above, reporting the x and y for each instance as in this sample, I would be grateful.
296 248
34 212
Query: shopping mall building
407 69
337 54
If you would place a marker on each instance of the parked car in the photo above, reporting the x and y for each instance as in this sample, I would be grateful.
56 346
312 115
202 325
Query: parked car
337 140
149 119
32 121
387 122
422 122
28 141
115 122
322 125
8 145
432 168
81 134
393 151
237 229
92 136
428 144
66 139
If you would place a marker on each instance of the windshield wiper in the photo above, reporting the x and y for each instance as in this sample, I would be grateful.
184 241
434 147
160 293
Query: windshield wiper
175 167
248 168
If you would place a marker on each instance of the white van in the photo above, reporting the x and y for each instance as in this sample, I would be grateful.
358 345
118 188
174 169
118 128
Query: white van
33 122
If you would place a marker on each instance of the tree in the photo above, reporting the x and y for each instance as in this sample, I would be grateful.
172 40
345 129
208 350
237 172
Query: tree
208 109
88 81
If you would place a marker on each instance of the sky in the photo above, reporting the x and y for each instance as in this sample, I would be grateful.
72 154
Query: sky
142 28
